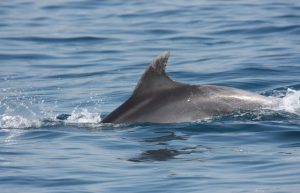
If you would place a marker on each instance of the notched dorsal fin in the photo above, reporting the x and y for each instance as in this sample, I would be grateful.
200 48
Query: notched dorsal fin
155 78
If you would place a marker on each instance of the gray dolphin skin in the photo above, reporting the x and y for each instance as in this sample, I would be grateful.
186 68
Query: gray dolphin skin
159 99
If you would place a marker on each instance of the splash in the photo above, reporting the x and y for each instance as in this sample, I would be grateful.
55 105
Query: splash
290 102
83 116
21 111
78 117
17 122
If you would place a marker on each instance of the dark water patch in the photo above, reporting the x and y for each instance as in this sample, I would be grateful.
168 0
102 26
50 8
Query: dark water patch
289 135
156 155
21 76
25 57
13 153
191 38
295 8
154 14
49 40
258 31
167 136
291 145
167 153
6 6
281 91
3 24
42 18
294 86
63 66
198 40
44 181
78 5
276 56
287 16
79 75
35 24
161 31
259 70
52 7
233 25
92 52
37 134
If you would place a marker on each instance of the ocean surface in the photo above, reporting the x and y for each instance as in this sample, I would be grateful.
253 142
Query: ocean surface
84 58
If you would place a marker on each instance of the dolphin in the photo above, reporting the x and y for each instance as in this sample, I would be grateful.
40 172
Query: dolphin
159 99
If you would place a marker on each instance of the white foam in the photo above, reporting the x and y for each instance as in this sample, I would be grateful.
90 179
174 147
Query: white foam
83 116
22 111
17 122
290 102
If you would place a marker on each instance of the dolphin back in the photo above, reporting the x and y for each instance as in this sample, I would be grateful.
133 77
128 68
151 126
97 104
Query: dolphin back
159 99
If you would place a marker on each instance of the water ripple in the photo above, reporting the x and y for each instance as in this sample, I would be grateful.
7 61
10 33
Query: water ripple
49 40
259 31
25 56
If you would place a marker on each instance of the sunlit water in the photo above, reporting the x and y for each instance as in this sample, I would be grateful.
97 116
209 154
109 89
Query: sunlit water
84 58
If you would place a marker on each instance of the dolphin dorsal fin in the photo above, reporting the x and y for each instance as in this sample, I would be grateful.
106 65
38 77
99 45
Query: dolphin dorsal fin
155 77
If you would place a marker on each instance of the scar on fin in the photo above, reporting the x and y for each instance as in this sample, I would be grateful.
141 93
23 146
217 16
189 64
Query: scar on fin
160 62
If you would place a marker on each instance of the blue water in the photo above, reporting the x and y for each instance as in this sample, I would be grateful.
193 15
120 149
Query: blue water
84 58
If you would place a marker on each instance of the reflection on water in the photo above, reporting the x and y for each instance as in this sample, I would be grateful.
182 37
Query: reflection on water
164 140
168 136
167 154
156 155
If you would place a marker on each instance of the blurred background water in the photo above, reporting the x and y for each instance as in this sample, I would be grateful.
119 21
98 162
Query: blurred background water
85 57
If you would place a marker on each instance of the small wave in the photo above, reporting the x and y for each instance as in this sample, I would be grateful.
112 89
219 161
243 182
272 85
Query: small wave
77 75
87 39
258 31
25 57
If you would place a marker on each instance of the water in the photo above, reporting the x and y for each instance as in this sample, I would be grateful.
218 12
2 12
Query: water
84 58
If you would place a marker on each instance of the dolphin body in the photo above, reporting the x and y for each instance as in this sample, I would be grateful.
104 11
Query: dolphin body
159 99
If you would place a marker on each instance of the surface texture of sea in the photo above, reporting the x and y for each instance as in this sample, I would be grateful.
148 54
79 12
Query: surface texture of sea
84 58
